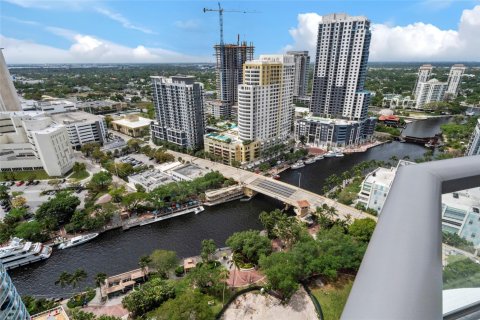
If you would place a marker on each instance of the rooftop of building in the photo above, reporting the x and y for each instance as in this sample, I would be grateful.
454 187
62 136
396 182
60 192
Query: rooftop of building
466 199
151 178
339 17
77 116
318 119
190 171
230 136
57 313
49 101
133 122
381 176
177 79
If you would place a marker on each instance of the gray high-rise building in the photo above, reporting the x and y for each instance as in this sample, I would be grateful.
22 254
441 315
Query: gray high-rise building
179 111
11 304
8 95
229 72
343 44
302 62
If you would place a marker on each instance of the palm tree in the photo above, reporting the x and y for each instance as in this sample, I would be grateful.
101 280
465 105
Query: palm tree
64 279
78 276
143 263
99 280
224 274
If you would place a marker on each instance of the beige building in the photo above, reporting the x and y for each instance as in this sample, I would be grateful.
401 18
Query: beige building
132 125
228 147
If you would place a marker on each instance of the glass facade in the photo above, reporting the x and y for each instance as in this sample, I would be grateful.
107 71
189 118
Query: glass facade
11 305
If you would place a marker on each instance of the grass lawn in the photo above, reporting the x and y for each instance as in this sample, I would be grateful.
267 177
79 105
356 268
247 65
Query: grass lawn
80 175
455 257
333 296
24 175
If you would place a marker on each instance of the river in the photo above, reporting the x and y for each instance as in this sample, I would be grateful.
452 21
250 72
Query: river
116 251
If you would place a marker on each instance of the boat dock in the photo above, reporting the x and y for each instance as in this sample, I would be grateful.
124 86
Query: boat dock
159 217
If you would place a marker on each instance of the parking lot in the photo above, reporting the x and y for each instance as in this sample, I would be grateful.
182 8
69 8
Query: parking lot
33 195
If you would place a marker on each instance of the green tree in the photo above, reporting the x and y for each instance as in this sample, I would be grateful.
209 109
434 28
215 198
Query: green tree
78 314
32 231
362 229
77 276
163 261
117 193
148 297
35 306
100 280
189 305
100 181
206 277
132 200
4 193
208 249
143 263
283 273
250 244
58 210
64 279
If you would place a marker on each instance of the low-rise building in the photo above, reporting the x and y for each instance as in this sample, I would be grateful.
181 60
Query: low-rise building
326 132
474 145
132 125
30 140
227 147
101 106
461 214
394 101
150 179
52 106
187 172
83 127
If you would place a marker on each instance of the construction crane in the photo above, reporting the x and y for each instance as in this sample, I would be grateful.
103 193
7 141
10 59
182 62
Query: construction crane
220 11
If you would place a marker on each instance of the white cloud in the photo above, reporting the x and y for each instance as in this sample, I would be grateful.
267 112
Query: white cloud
88 49
51 4
414 42
191 24
122 20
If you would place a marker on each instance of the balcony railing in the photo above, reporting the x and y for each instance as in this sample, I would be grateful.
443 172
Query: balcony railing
401 273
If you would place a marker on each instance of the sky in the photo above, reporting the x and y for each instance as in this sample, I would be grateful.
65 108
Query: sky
147 31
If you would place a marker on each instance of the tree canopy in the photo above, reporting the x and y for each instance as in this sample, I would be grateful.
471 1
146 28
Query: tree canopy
250 244
58 210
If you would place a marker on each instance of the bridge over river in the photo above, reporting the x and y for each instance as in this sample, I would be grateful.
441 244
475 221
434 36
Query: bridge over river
287 193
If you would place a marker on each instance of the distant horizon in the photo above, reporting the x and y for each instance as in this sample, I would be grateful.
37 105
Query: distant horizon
101 31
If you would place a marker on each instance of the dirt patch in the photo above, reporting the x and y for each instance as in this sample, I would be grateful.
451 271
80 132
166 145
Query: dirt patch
255 306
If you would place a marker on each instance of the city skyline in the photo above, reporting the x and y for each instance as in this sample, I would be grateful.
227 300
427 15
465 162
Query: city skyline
164 31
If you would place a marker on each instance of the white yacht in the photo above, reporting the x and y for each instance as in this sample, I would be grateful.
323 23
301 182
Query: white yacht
319 157
310 161
297 165
20 252
330 154
339 154
75 241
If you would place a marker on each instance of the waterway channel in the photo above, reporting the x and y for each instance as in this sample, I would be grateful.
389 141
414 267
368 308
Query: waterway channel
116 251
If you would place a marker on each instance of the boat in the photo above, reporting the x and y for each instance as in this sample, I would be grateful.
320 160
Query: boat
310 161
319 157
339 154
276 177
20 252
297 165
78 240
330 154
199 209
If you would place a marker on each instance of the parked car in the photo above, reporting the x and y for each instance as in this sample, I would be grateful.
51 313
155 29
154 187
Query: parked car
19 183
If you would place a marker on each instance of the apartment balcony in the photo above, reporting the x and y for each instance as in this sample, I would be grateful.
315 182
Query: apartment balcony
401 273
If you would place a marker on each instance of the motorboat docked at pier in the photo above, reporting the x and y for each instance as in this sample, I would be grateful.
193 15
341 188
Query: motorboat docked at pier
297 165
310 161
78 240
20 252
319 157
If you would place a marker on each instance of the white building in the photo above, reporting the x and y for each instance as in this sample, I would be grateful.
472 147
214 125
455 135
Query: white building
179 111
424 73
31 140
394 101
302 63
53 106
454 79
343 44
83 127
8 95
376 185
265 100
474 145
430 91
